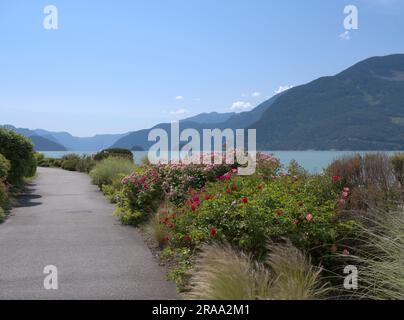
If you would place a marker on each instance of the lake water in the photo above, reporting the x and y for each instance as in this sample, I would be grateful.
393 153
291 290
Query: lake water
313 161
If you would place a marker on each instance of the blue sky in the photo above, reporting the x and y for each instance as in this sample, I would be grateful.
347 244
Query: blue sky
118 66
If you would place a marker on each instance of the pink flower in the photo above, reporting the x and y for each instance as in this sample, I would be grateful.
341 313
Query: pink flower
345 194
346 252
346 189
296 222
309 217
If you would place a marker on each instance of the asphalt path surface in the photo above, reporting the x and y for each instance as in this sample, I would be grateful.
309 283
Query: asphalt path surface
65 222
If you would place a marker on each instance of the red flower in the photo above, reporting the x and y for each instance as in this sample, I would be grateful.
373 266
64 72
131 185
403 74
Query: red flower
234 188
173 216
171 225
296 221
167 238
187 238
207 198
193 207
244 200
228 191
165 220
336 178
213 232
241 207
279 213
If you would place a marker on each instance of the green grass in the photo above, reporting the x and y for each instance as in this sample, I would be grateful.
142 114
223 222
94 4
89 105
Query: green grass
108 169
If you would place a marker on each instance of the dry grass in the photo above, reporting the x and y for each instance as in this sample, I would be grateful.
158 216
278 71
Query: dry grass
223 273
154 229
380 259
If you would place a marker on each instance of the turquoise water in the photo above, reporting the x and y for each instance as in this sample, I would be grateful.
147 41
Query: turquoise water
313 161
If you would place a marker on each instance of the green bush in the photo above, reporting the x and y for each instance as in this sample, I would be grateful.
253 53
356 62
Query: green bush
246 212
2 215
114 152
19 150
85 164
70 162
4 167
108 169
3 194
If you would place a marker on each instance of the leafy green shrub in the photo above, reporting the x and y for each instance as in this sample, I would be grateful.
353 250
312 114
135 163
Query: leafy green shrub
141 195
70 162
246 212
2 215
19 150
223 273
3 194
114 152
5 167
85 164
105 171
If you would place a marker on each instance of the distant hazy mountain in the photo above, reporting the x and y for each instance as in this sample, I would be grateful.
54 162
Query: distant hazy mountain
69 142
361 108
44 144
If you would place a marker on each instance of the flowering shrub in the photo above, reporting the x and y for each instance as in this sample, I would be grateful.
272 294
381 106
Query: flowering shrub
141 195
246 212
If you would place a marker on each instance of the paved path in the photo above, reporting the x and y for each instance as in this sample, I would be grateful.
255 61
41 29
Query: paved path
65 221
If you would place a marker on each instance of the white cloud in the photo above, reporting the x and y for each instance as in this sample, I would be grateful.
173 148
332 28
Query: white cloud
179 112
179 98
283 88
256 94
345 35
240 106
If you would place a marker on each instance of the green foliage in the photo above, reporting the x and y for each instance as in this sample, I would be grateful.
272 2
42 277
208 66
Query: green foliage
246 212
3 194
70 162
114 152
2 215
20 152
141 195
105 171
5 167
85 164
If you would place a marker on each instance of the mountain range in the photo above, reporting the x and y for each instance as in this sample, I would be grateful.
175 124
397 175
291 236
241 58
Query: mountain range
361 108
